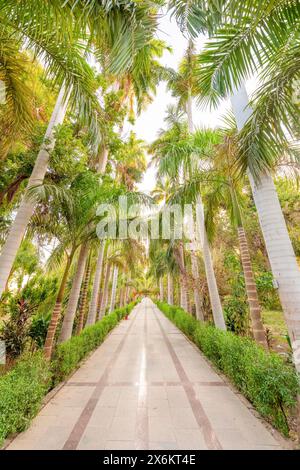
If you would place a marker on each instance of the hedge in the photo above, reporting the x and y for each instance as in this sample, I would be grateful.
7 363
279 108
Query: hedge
264 378
23 388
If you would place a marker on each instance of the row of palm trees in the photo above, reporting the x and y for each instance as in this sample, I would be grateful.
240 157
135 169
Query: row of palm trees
262 38
120 35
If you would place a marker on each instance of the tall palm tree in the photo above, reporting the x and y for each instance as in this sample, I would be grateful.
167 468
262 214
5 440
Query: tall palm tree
176 150
135 85
184 87
67 326
84 295
265 125
120 24
114 289
225 189
68 214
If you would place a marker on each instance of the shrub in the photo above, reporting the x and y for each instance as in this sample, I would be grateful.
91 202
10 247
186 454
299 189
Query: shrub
263 377
21 392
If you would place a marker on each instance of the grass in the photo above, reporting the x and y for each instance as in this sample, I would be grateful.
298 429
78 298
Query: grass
275 325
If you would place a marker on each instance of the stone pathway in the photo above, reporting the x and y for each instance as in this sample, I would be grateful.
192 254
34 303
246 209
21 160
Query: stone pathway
146 387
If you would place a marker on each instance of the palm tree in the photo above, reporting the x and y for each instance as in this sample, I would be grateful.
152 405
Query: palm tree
114 289
67 326
106 281
161 288
265 125
175 150
118 24
84 295
225 188
135 84
96 285
170 287
69 216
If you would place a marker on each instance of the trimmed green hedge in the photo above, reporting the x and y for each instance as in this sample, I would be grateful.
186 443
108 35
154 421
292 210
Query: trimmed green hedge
263 377
21 392
23 388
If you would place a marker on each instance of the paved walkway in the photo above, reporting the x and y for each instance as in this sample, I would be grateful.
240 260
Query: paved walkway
146 387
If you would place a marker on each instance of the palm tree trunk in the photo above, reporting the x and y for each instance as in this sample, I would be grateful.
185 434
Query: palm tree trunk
197 297
49 343
254 307
96 286
170 289
114 289
183 283
161 289
101 166
207 258
83 300
209 269
99 305
126 295
25 211
105 290
280 251
122 292
67 326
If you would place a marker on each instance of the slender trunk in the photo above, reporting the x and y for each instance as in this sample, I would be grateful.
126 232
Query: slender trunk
122 292
100 296
99 305
209 269
183 284
95 294
25 211
103 157
94 310
83 300
161 289
49 343
114 289
207 258
280 251
170 289
254 307
105 290
67 326
126 295
197 296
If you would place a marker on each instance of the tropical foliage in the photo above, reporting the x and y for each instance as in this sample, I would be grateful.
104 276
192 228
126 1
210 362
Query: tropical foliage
74 78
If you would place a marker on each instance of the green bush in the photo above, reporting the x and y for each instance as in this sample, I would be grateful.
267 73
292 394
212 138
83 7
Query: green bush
263 377
23 388
21 392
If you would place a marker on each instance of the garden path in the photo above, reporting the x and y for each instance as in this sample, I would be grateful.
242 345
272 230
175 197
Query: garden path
146 387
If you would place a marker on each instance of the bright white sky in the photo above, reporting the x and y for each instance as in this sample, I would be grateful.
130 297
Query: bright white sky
151 120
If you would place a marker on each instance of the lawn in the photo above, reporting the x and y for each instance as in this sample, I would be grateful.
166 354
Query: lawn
276 328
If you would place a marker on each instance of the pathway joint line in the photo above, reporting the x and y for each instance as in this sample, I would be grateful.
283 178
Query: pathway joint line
85 416
210 437
142 426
